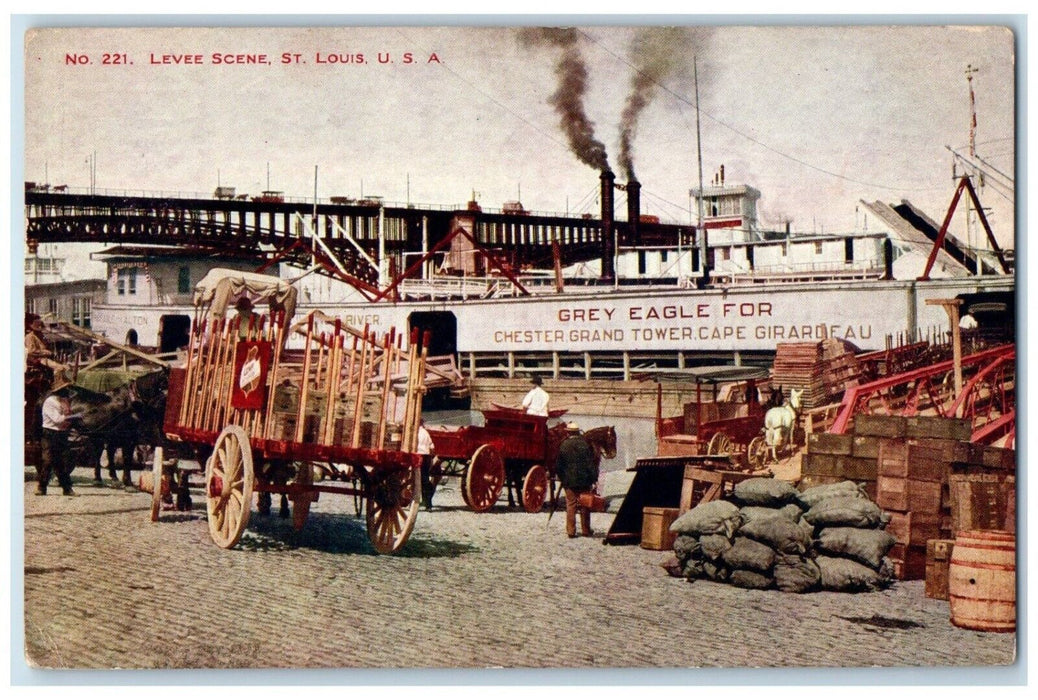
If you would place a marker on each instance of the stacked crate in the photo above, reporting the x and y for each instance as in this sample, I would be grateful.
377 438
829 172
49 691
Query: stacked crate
833 458
912 488
823 370
982 489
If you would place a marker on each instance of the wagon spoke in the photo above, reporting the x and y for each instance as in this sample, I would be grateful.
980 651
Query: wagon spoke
230 469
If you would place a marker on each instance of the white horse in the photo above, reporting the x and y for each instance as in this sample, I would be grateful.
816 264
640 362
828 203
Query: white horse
779 422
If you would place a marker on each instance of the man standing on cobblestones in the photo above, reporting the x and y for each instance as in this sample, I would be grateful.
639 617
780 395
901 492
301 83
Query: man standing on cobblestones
57 414
429 480
578 472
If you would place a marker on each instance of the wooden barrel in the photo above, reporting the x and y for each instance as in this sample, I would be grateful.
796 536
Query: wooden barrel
982 581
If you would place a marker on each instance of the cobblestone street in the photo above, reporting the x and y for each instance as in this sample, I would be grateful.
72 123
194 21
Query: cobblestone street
106 588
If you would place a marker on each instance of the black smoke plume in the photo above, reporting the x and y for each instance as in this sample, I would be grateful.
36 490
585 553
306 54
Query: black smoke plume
655 53
568 98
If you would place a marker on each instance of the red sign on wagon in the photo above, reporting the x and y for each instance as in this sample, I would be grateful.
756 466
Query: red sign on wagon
251 361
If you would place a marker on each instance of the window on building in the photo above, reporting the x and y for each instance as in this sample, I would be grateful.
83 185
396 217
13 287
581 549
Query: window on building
641 262
818 247
30 306
52 306
184 280
726 253
81 311
126 281
848 251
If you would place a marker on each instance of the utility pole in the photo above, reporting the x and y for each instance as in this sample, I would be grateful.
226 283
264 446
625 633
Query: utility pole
704 271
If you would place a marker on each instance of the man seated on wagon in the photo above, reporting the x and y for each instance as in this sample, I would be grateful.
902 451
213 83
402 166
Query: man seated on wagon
248 320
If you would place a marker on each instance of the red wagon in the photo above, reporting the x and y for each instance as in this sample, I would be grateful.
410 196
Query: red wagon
726 417
509 445
268 415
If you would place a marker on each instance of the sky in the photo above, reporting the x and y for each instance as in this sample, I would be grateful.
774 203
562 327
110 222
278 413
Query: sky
816 118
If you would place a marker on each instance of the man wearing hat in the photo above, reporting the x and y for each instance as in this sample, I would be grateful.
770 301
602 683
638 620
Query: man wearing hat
248 321
578 472
536 401
57 414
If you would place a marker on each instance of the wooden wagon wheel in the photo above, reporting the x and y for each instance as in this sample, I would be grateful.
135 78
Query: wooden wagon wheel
156 485
535 488
757 452
393 502
720 444
229 478
484 478
301 501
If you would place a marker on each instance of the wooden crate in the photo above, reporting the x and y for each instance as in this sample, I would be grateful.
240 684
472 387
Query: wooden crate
830 444
982 502
880 426
900 494
909 562
937 427
910 460
938 557
999 458
656 524
914 528
842 465
865 446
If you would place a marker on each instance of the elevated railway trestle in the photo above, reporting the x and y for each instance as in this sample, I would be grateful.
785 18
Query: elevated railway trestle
274 229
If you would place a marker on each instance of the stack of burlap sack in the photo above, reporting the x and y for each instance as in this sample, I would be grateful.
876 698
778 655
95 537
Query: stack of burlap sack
771 536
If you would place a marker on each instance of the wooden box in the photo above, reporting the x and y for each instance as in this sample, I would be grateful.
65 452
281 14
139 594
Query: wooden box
880 426
895 493
999 458
937 427
982 502
914 528
656 524
865 446
842 465
909 562
910 460
830 444
938 557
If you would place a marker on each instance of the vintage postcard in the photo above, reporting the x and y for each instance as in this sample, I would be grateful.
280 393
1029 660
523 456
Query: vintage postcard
566 347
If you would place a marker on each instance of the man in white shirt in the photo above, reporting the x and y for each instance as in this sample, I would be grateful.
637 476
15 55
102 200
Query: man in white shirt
425 449
536 401
57 414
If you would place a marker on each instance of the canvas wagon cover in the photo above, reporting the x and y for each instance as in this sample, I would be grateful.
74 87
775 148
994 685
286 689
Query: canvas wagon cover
220 285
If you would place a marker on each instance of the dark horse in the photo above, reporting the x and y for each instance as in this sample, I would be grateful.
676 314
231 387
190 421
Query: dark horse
120 419
602 440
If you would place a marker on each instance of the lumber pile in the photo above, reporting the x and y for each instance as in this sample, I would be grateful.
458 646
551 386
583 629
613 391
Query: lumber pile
823 370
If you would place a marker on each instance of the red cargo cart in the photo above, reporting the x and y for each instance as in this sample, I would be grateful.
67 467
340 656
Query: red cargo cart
510 448
271 404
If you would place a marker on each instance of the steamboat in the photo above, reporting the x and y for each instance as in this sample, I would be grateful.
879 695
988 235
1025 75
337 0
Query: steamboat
507 292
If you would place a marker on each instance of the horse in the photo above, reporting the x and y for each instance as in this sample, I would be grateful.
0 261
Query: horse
602 441
780 421
120 419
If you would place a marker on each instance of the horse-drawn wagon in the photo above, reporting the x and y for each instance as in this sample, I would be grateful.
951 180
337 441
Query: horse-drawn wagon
725 417
513 449
297 409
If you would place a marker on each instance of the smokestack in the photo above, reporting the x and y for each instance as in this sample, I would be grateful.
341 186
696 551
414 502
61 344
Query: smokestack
722 174
634 206
608 245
